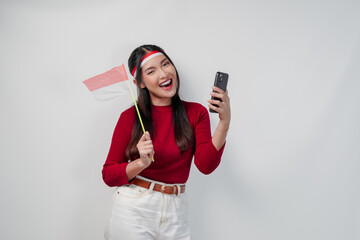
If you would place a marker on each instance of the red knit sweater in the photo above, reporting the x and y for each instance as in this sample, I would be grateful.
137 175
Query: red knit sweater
170 165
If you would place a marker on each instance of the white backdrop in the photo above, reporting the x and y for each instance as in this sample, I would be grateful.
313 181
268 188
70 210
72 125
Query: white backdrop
290 168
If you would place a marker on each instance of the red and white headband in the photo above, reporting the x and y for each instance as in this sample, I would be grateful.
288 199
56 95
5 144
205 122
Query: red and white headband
146 58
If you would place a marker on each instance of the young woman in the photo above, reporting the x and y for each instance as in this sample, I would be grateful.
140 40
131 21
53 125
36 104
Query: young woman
150 200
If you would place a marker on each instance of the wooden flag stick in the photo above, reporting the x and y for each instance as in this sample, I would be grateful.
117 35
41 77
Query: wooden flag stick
138 113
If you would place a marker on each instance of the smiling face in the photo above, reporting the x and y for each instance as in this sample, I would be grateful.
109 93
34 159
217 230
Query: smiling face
159 77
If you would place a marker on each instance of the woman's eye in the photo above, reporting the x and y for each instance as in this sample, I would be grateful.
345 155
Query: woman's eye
150 72
166 63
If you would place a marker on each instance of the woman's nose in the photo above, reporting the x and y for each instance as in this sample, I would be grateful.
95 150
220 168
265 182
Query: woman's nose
163 73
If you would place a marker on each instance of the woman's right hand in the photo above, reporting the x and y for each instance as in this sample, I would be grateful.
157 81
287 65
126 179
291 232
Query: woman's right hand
146 150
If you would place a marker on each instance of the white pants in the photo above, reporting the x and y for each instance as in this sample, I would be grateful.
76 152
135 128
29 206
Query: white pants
139 214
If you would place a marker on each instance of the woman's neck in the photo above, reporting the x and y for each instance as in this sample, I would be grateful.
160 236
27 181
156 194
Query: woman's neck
161 102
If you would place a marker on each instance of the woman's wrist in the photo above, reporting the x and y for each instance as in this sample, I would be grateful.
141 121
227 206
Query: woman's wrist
134 168
140 165
224 125
220 133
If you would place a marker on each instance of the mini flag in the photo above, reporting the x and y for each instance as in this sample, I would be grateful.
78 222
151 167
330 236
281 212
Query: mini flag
111 84
108 85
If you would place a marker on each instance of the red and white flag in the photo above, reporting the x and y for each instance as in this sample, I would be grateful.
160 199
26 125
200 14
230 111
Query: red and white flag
110 84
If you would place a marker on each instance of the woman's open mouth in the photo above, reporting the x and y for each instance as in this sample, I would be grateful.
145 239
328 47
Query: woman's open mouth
167 84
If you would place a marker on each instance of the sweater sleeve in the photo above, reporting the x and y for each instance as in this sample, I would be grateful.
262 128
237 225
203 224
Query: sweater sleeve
114 169
207 157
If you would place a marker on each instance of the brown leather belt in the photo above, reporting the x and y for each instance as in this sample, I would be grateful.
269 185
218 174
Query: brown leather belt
168 188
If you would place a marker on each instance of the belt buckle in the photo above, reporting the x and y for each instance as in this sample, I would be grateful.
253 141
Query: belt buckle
163 188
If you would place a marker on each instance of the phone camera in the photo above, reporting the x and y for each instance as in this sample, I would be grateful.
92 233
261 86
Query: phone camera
221 75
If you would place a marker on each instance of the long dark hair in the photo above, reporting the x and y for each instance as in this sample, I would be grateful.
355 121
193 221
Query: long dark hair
182 128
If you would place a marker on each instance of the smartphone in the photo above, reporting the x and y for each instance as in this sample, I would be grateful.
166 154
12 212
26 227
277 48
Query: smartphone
221 80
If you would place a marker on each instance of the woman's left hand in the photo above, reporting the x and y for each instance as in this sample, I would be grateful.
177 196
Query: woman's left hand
224 104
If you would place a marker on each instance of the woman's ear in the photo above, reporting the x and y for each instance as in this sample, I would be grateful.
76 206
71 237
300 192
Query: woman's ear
141 84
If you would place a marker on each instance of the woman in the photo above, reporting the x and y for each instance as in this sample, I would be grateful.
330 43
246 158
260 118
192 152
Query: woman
150 200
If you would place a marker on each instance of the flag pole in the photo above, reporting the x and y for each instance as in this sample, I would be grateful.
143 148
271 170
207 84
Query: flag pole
138 113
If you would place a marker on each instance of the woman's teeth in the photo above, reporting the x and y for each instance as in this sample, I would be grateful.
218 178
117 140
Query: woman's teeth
166 84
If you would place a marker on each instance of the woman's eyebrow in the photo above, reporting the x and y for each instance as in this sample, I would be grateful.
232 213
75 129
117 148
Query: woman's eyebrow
154 67
164 60
148 68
